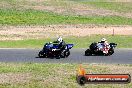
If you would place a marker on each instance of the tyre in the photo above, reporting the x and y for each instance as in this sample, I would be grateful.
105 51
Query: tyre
88 52
41 54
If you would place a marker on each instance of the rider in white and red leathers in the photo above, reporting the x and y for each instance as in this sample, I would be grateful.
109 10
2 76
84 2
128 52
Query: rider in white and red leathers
103 45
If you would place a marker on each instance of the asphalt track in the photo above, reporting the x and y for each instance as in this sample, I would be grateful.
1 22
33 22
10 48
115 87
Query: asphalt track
121 56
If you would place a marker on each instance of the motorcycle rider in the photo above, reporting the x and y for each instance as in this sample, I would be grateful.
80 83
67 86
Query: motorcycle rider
105 42
61 43
59 40
103 45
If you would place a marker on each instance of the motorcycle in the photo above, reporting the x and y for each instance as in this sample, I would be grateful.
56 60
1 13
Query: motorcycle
94 50
54 50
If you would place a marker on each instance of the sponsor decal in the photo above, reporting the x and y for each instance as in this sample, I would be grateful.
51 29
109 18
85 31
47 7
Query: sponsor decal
83 78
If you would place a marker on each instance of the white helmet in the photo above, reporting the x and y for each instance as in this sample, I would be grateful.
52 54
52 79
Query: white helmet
59 39
103 39
50 42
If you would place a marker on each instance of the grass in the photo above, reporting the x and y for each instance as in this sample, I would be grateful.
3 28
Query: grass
34 17
79 42
105 4
53 75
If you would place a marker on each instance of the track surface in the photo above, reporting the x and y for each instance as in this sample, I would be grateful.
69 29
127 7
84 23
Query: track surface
121 56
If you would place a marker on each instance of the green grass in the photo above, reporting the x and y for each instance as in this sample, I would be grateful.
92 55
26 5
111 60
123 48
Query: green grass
115 6
47 75
79 42
34 17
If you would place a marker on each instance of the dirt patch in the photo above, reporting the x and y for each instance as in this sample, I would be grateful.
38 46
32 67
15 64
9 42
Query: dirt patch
51 31
14 78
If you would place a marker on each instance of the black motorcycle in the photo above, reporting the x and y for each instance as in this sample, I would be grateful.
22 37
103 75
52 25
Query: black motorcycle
53 50
94 50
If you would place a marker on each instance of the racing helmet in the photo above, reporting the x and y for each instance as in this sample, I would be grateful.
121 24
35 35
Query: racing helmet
103 40
60 39
50 42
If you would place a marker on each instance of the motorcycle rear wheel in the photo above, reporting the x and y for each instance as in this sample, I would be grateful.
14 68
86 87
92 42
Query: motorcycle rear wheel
41 55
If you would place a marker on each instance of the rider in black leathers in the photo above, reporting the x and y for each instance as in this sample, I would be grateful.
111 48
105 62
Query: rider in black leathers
61 43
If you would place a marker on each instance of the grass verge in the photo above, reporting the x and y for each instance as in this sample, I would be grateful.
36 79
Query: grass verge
34 17
105 4
79 42
55 75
